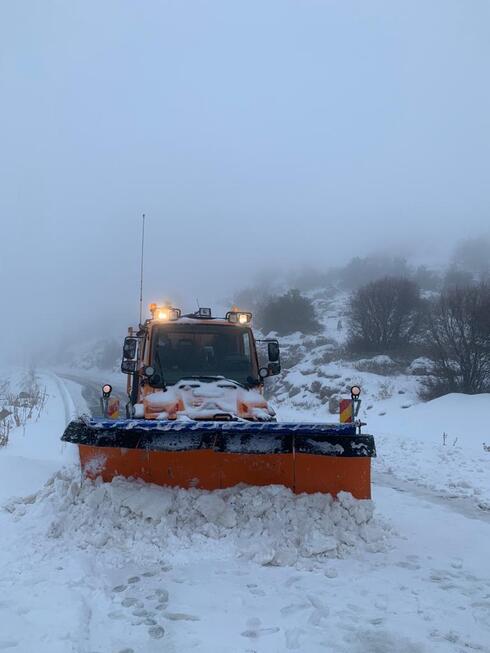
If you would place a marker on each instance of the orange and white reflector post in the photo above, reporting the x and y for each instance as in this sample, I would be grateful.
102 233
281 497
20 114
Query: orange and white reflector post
113 408
346 411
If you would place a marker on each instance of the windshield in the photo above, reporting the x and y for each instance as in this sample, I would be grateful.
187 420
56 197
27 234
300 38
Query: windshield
203 350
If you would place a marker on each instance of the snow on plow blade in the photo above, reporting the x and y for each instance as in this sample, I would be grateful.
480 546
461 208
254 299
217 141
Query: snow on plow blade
305 457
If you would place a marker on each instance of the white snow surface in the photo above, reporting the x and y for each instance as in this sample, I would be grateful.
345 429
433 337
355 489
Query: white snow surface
87 567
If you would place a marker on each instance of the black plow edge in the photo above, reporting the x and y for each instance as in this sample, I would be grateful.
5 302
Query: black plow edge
225 437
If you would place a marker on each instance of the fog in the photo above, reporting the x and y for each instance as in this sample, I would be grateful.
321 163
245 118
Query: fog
253 135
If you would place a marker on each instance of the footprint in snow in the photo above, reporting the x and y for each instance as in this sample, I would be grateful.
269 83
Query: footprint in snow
254 633
292 580
293 636
134 579
156 632
116 615
162 595
119 588
253 622
408 565
293 608
129 601
331 573
161 606
254 589
181 616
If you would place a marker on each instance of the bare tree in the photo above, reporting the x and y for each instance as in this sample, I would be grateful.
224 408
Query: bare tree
385 315
459 341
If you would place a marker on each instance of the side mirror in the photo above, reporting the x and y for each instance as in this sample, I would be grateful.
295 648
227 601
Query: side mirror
273 351
128 367
129 347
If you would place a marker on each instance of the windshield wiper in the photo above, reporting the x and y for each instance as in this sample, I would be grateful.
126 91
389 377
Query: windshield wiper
215 378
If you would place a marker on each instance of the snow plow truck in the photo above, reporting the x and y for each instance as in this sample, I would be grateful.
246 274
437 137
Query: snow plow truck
196 415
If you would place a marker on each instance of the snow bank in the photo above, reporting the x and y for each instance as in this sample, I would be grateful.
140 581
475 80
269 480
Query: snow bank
268 525
439 444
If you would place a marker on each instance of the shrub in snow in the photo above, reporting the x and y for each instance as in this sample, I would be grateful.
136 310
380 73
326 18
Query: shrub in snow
420 366
377 365
287 314
385 316
385 391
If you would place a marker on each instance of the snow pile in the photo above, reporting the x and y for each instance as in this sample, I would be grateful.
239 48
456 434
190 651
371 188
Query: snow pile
268 525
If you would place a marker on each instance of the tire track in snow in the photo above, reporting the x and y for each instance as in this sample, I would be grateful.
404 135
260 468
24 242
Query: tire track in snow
68 403
460 505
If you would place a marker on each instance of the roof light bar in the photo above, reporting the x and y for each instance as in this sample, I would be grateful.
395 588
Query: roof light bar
204 312
164 313
239 317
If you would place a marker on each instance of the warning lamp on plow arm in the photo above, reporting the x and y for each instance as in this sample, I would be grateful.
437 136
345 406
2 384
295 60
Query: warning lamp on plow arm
108 404
355 392
106 391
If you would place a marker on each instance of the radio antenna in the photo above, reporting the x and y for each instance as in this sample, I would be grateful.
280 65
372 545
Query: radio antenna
141 270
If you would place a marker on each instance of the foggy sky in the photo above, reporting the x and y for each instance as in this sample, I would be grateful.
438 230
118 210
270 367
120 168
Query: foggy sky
252 134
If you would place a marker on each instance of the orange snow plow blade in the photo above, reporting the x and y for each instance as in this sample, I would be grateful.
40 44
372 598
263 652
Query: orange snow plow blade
327 458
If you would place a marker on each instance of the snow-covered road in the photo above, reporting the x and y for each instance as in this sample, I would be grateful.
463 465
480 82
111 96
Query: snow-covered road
126 567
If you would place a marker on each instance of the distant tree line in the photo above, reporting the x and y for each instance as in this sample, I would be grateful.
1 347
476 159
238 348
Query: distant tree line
452 329
469 263
402 311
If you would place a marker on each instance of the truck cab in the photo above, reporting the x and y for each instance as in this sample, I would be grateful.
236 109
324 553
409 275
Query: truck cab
197 366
